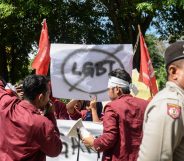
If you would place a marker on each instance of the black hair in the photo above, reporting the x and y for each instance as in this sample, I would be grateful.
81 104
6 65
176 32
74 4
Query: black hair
122 74
34 85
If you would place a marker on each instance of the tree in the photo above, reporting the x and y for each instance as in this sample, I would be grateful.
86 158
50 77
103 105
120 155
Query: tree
170 17
18 31
125 15
75 21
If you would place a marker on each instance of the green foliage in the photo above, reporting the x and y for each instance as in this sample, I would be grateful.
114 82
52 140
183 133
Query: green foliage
18 31
156 55
145 6
170 23
79 21
6 10
65 100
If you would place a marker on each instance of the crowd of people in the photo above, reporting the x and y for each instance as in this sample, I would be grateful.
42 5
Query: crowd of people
134 129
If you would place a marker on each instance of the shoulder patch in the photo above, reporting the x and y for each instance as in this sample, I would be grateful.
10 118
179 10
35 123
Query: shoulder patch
173 110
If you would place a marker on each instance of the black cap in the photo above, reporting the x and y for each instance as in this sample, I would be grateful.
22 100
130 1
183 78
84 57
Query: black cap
174 52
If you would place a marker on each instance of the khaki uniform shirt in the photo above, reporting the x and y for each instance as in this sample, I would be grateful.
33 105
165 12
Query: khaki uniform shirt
163 128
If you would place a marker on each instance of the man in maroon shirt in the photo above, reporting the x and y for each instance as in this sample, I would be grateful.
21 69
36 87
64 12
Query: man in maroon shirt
87 110
122 121
60 110
27 133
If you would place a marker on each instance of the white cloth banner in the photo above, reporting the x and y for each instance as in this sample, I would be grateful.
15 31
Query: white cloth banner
70 145
81 71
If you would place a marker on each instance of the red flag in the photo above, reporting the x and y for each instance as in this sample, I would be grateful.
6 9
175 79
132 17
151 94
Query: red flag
42 59
147 75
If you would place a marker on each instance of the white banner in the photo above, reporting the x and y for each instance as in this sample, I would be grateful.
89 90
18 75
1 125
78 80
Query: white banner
70 145
81 71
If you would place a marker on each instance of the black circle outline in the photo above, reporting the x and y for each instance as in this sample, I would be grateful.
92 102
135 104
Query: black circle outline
91 50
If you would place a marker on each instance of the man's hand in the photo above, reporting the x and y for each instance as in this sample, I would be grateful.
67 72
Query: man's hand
20 92
88 141
49 108
93 103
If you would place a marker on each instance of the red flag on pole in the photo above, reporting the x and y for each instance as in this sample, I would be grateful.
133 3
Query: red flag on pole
42 59
147 75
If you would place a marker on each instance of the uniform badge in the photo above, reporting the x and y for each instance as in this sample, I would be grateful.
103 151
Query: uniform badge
173 110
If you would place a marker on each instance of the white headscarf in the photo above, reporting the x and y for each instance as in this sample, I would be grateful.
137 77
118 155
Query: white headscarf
114 82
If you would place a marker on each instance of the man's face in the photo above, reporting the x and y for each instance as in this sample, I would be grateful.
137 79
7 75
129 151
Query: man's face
78 105
45 97
180 76
87 103
112 93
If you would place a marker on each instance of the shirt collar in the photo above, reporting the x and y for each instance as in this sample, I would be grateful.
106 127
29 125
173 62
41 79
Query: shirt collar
124 95
171 84
26 104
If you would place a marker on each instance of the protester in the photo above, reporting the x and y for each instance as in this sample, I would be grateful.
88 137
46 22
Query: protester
28 129
87 110
163 138
94 110
122 121
59 107
60 110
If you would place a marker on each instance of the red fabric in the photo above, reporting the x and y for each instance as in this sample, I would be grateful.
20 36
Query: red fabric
78 114
42 59
60 110
25 133
122 134
147 75
10 92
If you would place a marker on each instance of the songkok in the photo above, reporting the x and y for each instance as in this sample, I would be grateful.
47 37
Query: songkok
174 52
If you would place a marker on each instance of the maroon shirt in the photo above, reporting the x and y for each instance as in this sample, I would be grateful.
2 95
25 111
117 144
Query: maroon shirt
78 114
122 134
60 109
25 134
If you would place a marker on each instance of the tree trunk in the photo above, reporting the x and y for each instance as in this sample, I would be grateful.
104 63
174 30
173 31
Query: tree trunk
3 63
13 66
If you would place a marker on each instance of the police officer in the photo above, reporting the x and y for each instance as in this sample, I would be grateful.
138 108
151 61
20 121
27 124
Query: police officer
163 129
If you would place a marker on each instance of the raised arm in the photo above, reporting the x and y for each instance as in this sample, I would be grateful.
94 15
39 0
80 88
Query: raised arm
73 109
70 106
93 108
